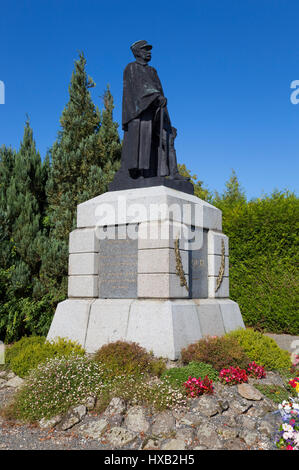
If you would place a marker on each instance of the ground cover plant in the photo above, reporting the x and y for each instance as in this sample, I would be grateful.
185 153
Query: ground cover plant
128 371
54 386
178 375
28 352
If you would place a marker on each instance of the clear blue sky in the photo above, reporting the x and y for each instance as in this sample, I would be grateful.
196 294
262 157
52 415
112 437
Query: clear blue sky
226 67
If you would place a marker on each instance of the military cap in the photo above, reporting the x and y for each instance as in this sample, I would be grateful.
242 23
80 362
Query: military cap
142 44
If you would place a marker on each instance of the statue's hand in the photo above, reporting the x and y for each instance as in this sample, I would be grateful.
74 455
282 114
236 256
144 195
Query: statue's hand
162 101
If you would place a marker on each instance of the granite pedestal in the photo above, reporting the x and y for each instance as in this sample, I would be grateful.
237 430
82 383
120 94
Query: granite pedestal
148 265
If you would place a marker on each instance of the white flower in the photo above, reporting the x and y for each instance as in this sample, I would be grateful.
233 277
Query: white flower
287 435
287 427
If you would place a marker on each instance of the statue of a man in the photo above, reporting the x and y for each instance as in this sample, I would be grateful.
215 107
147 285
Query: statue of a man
148 144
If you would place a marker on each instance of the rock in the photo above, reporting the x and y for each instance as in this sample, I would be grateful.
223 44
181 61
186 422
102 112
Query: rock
164 424
136 420
90 402
119 437
239 406
95 429
174 444
208 437
10 375
192 419
72 417
227 419
266 428
246 422
152 444
261 409
117 406
250 437
249 392
187 434
200 448
68 422
223 405
80 411
3 374
265 444
2 383
271 379
207 406
14 382
228 433
115 420
50 423
234 444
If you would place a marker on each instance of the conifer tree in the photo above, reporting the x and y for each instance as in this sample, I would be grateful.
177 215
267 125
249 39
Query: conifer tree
25 203
232 196
83 161
22 205
7 161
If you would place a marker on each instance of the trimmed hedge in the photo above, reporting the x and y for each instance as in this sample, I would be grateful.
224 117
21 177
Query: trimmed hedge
263 238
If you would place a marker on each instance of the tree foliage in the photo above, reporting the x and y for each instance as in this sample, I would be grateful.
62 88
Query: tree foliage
38 202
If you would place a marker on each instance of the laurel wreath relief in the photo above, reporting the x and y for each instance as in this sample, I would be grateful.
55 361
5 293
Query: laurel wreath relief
179 265
222 267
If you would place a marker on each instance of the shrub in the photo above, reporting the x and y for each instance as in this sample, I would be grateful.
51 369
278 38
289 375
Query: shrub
178 375
56 385
261 348
220 352
128 358
27 353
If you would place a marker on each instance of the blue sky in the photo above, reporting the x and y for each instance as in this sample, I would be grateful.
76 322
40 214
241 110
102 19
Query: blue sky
226 67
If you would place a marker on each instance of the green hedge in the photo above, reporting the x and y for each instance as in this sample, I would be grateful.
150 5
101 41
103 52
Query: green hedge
263 239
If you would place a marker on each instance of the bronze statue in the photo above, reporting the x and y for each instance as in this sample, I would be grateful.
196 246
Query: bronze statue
148 150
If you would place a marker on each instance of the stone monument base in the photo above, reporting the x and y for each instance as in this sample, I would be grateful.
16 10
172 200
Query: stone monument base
122 181
161 326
